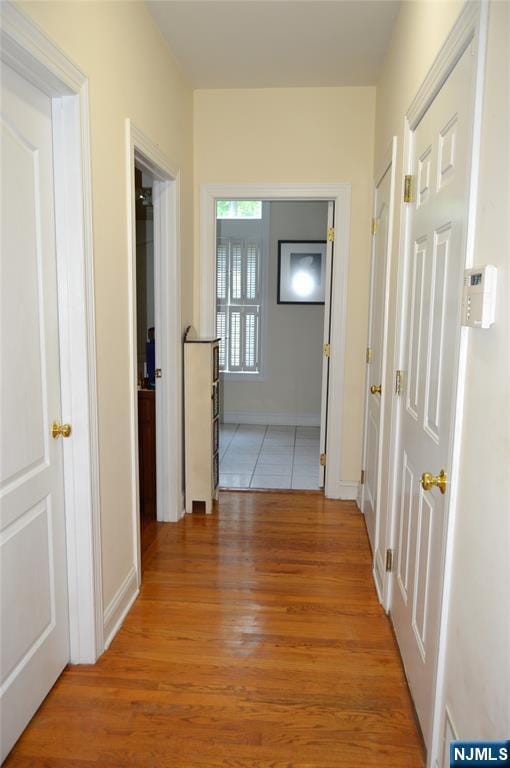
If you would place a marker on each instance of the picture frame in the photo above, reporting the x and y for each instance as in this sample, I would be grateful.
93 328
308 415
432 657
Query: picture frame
301 272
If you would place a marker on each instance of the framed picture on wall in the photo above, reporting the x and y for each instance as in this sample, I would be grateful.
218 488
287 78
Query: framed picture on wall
301 271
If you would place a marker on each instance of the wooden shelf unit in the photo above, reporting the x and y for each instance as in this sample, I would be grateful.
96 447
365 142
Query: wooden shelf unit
201 421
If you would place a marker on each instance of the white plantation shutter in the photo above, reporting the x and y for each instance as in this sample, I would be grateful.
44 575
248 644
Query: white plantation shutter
235 340
236 271
239 304
221 331
251 328
252 272
222 269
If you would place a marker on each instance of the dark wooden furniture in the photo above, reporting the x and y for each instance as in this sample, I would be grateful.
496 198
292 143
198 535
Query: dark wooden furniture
147 454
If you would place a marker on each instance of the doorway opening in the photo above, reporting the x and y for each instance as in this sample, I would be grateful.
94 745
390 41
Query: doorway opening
146 341
155 343
273 293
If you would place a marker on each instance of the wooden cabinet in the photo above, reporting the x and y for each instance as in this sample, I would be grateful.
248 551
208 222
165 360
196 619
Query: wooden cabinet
201 421
147 453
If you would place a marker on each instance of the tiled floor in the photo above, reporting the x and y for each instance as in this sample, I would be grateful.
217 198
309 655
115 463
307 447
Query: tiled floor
259 456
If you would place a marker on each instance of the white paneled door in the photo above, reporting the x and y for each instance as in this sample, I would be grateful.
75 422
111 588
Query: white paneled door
434 266
34 631
375 361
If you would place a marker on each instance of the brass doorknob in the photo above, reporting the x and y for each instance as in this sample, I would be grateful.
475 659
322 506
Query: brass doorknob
60 430
376 389
429 481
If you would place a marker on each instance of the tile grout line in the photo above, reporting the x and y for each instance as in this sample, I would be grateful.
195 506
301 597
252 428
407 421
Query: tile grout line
222 456
258 456
265 434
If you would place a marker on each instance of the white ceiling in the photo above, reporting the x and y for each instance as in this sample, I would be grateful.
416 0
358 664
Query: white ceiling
277 43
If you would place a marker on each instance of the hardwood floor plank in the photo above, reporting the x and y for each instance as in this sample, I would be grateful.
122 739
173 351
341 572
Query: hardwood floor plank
257 642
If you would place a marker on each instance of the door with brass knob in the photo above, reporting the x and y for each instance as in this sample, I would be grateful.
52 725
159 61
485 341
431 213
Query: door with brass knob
429 481
374 513
35 605
433 264
60 430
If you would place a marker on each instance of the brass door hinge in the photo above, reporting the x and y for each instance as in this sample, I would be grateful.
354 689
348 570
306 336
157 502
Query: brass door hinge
362 478
399 377
331 234
408 189
389 560
374 225
326 350
322 460
369 354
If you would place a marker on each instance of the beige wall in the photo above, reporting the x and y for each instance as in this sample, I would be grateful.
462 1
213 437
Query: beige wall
301 135
293 338
131 74
478 659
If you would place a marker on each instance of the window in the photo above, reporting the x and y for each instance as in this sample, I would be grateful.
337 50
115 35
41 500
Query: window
238 290
238 209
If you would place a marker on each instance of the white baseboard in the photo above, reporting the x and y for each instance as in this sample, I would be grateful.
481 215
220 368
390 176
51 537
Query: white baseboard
343 490
117 609
275 419
378 574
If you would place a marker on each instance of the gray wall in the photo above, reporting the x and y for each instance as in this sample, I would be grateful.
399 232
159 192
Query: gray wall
293 372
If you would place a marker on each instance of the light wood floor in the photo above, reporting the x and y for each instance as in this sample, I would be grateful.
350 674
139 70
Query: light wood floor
257 642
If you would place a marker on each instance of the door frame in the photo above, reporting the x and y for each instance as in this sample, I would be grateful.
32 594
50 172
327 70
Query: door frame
389 163
167 317
27 50
470 28
340 194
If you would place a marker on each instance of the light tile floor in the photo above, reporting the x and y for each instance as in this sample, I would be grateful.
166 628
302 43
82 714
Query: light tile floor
260 456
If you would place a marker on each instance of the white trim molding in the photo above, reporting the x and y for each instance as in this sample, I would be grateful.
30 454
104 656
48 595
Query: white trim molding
344 490
167 305
25 48
340 194
118 607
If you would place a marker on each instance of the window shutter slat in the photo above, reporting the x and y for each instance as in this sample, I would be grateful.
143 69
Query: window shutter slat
221 331
236 267
235 340
251 323
252 271
221 270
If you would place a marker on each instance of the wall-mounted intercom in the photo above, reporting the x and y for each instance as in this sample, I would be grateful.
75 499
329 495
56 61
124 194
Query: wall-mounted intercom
479 296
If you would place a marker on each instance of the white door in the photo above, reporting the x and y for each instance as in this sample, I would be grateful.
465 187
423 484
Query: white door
34 631
434 266
326 339
374 376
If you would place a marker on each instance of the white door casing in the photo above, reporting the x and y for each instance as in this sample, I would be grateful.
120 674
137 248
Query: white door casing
434 261
340 193
376 359
35 625
167 316
326 337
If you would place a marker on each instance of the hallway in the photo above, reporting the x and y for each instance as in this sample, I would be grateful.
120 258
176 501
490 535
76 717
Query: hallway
257 641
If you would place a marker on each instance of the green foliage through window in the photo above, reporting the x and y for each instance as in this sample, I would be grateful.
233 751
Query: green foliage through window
239 209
